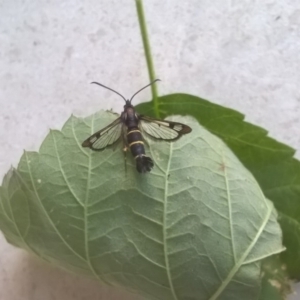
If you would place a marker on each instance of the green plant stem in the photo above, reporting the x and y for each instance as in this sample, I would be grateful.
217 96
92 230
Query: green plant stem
143 27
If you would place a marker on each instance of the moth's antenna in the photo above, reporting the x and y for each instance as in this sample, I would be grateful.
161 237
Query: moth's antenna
144 87
109 89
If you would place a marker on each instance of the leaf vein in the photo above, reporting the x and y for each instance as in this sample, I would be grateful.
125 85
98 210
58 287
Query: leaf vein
44 209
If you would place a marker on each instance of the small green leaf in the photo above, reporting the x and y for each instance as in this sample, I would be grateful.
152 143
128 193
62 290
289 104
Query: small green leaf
196 227
271 162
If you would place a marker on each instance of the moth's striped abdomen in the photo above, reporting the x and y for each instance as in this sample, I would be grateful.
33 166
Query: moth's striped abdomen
135 141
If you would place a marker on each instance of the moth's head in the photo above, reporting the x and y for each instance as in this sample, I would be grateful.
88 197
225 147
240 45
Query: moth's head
127 104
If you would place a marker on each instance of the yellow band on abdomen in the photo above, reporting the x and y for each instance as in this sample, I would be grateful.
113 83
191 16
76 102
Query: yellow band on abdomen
137 142
133 131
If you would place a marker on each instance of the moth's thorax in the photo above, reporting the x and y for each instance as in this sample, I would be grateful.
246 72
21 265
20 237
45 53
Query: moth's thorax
129 117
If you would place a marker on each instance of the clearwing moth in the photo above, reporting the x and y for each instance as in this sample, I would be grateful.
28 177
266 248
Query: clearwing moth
132 128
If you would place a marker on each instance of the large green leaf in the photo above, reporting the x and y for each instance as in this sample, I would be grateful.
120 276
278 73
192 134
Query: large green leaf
196 227
271 162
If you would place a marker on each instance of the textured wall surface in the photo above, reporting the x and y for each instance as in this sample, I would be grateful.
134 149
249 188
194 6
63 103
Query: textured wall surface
243 54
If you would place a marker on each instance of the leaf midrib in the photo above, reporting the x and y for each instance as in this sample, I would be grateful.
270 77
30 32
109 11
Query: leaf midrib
165 226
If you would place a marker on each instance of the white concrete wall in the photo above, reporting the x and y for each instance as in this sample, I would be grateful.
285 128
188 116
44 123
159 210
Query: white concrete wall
244 54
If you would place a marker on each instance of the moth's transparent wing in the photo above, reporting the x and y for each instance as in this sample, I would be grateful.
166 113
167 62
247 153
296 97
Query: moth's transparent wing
162 129
105 137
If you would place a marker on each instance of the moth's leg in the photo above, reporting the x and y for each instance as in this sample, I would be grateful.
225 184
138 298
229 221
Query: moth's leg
125 158
125 149
125 146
